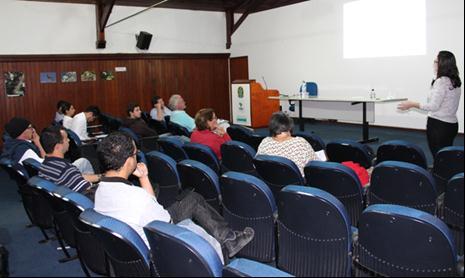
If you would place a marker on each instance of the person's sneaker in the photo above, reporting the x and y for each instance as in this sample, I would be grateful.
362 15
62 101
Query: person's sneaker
237 240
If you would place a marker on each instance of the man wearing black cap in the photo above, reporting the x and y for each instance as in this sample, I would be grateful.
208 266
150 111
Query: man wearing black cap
22 141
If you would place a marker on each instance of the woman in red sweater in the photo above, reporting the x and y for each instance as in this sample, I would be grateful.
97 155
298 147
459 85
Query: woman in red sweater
208 132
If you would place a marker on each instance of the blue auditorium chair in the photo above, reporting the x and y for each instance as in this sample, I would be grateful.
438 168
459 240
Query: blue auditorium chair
315 233
314 140
179 252
339 180
447 163
179 130
145 144
277 172
400 150
42 211
172 147
403 242
452 211
32 166
243 134
249 202
403 183
200 177
163 172
125 251
238 156
349 150
203 154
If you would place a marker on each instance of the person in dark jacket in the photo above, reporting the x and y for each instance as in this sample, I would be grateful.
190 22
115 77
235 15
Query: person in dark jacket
21 141
136 123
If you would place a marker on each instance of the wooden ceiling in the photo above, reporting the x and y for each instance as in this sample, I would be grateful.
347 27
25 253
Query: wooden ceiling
238 6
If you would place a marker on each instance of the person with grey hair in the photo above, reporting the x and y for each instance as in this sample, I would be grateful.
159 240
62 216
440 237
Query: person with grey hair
178 114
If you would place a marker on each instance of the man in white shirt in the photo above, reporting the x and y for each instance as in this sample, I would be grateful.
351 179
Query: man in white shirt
138 206
22 141
159 110
79 123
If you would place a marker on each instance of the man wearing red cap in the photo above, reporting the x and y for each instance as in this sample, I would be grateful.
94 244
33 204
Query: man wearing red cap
22 141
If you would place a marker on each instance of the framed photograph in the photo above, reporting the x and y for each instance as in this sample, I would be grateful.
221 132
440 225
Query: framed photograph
88 76
14 83
48 77
107 75
68 77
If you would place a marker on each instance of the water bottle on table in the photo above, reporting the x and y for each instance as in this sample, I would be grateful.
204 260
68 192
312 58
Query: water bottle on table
303 89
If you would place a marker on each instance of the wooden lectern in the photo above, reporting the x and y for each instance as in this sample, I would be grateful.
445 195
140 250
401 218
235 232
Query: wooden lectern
250 104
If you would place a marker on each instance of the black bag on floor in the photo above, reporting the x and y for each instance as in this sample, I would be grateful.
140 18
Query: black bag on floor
3 261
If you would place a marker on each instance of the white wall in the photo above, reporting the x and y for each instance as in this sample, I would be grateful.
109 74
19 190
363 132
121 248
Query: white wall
305 42
56 28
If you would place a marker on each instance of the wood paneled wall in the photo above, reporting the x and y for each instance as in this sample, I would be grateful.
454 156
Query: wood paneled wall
202 79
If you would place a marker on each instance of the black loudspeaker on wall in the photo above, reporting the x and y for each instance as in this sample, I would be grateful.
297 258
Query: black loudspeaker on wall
143 40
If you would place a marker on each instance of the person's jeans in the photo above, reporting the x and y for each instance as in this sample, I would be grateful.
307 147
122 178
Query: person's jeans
195 207
84 166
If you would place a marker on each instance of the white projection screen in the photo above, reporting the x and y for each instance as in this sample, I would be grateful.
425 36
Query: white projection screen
384 28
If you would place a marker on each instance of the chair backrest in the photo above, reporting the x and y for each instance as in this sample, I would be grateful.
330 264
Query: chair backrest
277 172
247 268
172 147
42 211
403 183
314 140
238 156
349 150
400 241
315 237
195 174
125 250
177 129
249 202
452 212
131 133
312 88
159 126
110 123
400 150
243 134
447 163
74 138
32 166
42 184
202 154
74 151
339 180
178 252
163 171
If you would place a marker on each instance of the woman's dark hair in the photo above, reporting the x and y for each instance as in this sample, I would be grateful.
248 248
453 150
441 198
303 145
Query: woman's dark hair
155 100
50 137
447 66
61 105
280 122
114 150
202 117
66 106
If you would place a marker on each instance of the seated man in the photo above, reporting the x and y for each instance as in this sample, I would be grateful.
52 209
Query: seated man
159 110
137 206
79 124
77 176
136 123
178 115
22 141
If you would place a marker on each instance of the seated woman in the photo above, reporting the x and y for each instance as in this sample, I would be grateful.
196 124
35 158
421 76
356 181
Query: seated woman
208 132
281 143
68 112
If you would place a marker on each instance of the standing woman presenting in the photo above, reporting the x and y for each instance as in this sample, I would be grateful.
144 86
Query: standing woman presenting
443 102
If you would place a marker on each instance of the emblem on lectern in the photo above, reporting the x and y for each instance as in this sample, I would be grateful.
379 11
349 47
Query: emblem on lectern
240 92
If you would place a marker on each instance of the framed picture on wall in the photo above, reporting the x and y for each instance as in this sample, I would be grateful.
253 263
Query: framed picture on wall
68 77
88 76
107 75
48 77
14 83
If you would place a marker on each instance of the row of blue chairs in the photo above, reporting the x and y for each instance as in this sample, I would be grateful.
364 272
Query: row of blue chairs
303 230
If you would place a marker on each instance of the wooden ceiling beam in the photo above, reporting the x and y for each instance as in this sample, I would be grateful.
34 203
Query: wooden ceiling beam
231 27
103 10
